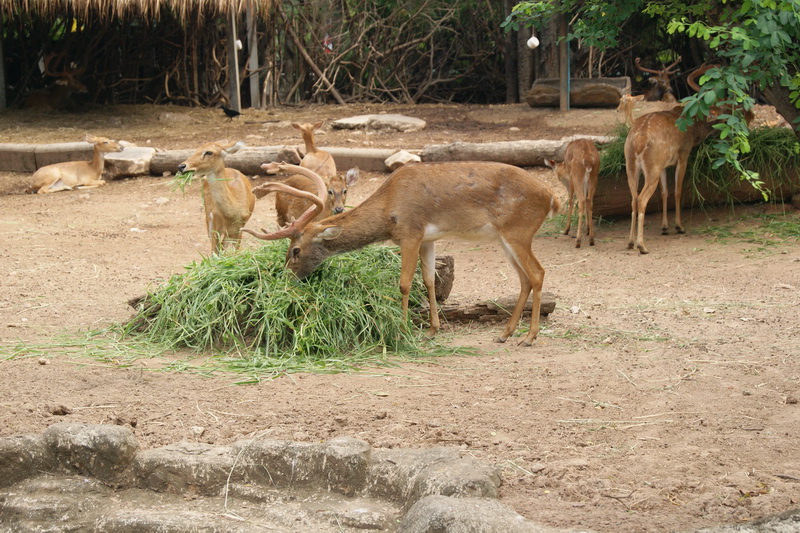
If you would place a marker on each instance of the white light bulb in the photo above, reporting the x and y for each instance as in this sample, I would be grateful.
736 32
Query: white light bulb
533 42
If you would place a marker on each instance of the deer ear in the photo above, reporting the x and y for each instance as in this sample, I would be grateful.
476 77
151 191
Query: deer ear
550 163
352 176
331 232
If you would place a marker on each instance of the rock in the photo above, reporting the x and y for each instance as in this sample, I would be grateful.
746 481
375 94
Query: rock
132 161
383 123
400 158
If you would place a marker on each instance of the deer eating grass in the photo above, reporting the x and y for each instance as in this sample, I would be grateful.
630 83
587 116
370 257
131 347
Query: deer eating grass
421 203
579 173
228 199
315 159
75 174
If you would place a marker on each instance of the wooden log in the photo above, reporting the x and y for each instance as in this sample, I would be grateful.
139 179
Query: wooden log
614 198
495 310
518 153
247 160
584 92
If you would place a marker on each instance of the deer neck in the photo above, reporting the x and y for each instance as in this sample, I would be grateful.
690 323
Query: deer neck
98 157
365 224
217 184
308 139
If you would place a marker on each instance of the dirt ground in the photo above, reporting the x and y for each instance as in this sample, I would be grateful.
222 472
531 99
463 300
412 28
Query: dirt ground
661 395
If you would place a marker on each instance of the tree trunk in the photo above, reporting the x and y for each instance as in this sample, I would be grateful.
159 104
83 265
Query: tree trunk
510 49
524 63
778 96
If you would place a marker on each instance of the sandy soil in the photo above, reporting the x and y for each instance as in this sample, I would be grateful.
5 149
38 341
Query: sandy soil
661 395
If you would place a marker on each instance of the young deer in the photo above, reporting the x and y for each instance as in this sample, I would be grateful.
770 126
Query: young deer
290 207
578 173
655 143
421 203
228 199
315 159
75 174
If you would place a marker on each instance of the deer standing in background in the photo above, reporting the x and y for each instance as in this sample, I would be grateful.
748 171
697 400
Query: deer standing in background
579 173
75 174
661 91
290 207
653 144
315 159
421 203
228 199
55 97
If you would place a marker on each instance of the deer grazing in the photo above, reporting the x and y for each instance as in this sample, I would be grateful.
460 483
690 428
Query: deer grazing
56 96
315 159
661 90
75 174
579 173
228 199
421 203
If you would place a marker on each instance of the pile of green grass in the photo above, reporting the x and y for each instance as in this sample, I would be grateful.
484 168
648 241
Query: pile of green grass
249 303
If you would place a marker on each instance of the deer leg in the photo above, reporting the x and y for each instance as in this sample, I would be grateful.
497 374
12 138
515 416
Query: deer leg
664 200
581 210
644 197
91 184
427 257
589 214
409 252
680 171
569 209
633 186
531 277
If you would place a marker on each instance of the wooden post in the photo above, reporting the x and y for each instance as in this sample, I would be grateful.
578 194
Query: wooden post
252 62
2 71
233 64
563 58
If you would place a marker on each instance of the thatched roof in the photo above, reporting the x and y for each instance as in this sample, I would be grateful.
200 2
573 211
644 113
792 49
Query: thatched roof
184 10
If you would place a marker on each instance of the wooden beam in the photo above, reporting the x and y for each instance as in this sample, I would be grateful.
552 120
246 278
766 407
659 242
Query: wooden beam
252 61
233 65
563 58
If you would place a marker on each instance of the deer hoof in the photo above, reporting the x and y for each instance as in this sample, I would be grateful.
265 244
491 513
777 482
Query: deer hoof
679 229
578 244
591 242
664 231
630 245
500 340
643 250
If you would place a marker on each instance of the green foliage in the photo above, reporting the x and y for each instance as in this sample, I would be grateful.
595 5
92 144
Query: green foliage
759 41
249 302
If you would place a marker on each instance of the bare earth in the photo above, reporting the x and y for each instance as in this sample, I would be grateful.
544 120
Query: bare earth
661 395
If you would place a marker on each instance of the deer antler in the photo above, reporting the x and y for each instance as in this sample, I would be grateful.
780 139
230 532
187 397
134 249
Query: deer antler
690 79
66 72
318 200
665 70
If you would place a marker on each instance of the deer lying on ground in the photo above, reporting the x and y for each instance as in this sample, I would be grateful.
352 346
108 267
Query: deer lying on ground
421 203
315 159
228 199
579 173
653 144
661 91
75 174
67 83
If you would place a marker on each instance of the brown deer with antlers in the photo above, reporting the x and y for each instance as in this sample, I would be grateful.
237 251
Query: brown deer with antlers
653 144
56 96
75 174
661 90
421 203
228 199
579 173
